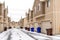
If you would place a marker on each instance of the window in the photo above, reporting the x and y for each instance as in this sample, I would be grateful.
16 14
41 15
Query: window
28 17
4 14
39 6
0 9
48 3
31 14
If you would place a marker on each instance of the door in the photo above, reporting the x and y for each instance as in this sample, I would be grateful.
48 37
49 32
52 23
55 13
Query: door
45 25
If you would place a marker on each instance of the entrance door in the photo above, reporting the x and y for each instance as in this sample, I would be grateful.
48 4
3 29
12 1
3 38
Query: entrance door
45 28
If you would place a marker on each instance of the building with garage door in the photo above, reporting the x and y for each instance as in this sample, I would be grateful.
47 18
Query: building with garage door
46 14
3 17
38 13
9 21
29 16
25 22
6 18
21 22
13 24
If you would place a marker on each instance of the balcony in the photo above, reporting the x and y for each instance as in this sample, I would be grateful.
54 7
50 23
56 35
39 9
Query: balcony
43 0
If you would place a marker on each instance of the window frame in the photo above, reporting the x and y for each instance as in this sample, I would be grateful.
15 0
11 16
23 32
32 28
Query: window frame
48 3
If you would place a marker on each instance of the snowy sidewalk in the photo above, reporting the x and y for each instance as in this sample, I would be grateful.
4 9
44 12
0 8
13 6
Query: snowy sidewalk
4 35
40 36
37 36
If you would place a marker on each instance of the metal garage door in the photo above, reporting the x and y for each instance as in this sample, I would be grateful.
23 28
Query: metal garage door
45 25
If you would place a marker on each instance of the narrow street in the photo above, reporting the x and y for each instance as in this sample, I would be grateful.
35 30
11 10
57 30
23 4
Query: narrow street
29 20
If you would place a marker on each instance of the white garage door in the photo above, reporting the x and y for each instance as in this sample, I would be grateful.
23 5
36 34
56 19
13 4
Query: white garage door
45 25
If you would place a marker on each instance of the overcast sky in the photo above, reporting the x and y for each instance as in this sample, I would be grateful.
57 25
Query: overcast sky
18 8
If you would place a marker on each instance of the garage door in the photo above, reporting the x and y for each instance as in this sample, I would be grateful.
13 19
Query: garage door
1 27
45 25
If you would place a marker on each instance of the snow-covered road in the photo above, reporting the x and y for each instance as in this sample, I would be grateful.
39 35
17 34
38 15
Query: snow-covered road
14 34
18 34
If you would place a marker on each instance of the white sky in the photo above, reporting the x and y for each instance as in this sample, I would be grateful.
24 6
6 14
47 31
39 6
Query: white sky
18 8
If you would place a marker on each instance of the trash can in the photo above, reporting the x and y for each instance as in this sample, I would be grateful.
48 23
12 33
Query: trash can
49 31
10 27
25 28
21 27
38 29
28 28
32 29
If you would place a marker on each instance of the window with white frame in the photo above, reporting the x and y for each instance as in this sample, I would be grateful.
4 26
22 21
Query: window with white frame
48 3
39 6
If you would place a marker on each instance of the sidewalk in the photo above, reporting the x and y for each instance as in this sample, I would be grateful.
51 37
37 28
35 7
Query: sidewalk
4 35
41 36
